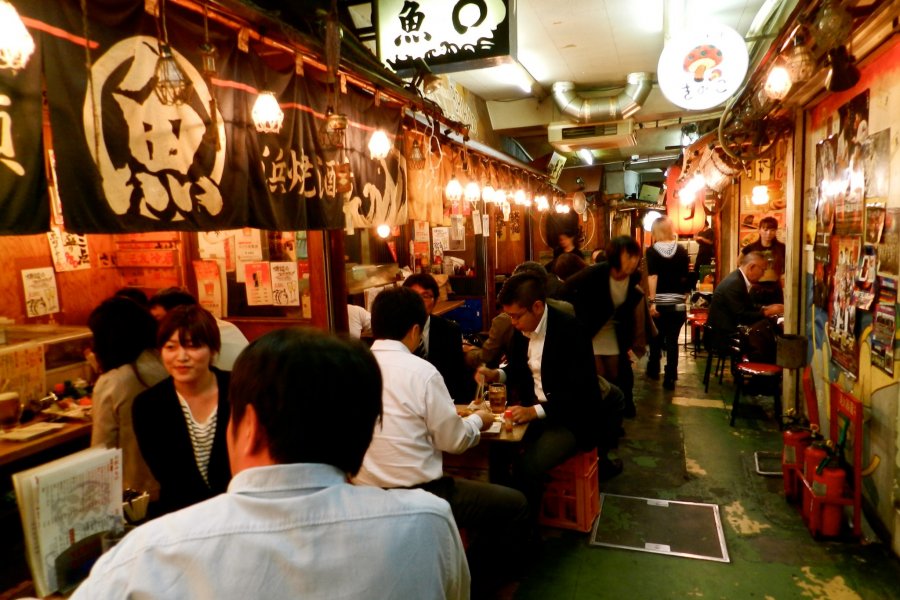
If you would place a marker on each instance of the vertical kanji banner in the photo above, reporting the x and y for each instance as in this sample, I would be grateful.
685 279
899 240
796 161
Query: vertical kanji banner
24 206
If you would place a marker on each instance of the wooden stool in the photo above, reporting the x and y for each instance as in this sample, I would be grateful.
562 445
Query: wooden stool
766 376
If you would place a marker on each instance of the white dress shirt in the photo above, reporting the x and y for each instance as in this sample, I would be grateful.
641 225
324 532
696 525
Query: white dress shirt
536 340
291 531
419 422
233 341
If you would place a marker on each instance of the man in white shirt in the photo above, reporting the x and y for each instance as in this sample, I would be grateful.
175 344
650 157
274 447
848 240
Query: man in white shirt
290 524
552 376
420 422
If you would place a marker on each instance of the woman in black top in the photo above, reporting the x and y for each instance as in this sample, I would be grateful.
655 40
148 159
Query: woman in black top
668 266
180 422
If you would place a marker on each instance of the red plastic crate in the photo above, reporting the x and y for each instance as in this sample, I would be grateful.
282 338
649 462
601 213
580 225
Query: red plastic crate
572 496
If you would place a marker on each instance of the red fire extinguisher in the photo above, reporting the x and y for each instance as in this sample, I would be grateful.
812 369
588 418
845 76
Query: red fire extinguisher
795 443
830 483
812 456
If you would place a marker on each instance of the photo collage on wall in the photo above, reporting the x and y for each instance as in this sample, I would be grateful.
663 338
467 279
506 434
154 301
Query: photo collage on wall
856 238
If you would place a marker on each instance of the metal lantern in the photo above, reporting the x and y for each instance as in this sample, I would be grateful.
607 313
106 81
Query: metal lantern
331 135
416 158
266 114
172 85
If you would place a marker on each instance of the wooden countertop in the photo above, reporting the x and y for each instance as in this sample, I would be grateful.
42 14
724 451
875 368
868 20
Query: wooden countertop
445 306
71 430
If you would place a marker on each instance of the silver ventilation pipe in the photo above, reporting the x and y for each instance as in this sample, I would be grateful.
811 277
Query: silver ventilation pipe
610 108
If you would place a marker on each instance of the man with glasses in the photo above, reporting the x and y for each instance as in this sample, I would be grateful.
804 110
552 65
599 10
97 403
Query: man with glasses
732 304
551 373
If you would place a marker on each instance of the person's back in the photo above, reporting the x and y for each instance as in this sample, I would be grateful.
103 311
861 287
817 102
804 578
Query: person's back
309 535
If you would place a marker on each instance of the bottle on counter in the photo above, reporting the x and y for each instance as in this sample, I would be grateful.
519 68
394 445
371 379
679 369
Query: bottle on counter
508 421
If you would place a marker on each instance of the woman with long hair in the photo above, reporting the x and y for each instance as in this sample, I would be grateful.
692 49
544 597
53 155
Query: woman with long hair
125 350
181 421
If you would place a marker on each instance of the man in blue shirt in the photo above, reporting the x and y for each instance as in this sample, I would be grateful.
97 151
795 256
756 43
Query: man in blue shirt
304 406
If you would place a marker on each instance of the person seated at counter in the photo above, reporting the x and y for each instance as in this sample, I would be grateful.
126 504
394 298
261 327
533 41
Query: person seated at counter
290 525
129 364
180 422
497 344
770 248
419 423
233 340
442 341
732 304
551 372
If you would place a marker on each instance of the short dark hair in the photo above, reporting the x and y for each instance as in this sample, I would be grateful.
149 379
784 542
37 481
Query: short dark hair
133 293
394 311
122 330
171 297
531 266
195 325
617 245
426 281
768 223
523 289
289 376
568 264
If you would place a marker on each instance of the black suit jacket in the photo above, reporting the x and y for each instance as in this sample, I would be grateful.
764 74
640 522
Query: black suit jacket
731 306
568 377
165 444
446 354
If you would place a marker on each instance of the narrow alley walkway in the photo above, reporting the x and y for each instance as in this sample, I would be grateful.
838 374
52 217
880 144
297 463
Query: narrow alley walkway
681 447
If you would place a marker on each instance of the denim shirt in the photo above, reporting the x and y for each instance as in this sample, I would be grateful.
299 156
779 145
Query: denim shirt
291 531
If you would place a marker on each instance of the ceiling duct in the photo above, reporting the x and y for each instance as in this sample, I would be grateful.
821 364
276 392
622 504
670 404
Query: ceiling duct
607 108
568 137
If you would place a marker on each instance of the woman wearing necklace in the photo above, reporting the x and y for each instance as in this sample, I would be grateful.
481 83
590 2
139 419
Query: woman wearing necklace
180 422
668 266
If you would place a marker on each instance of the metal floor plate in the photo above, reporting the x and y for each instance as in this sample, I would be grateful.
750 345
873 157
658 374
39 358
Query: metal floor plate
671 527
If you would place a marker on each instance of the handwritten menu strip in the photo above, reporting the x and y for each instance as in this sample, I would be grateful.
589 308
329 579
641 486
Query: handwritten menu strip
152 279
147 258
22 366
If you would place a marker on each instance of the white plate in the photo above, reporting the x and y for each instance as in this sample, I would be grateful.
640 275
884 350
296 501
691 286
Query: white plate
29 432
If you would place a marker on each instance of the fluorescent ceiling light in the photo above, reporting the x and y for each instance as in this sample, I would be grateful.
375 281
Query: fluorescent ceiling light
586 156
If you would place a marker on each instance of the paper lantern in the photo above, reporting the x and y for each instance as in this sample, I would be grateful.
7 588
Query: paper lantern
688 218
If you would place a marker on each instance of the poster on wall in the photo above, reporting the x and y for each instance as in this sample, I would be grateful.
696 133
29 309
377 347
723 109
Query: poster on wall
830 184
874 221
258 283
822 271
845 253
884 325
889 248
68 250
864 290
41 297
285 284
850 161
209 286
877 155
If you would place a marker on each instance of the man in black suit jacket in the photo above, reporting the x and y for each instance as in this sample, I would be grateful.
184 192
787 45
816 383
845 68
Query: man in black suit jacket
442 342
731 303
561 399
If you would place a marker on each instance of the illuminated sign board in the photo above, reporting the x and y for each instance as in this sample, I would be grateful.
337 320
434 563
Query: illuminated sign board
700 69
449 35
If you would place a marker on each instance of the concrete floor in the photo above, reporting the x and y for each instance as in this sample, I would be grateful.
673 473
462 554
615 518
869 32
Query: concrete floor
681 447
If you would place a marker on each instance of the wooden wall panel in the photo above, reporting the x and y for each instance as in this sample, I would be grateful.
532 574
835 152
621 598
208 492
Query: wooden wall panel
79 291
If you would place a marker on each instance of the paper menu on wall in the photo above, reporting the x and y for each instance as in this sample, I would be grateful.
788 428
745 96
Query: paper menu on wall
41 297
258 283
64 502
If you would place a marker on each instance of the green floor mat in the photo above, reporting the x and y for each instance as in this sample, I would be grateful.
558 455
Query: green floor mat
687 529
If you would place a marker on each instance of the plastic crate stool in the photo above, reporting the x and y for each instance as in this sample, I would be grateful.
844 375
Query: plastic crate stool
572 496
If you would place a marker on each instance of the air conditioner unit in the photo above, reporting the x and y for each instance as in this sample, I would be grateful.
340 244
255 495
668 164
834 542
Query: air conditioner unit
568 137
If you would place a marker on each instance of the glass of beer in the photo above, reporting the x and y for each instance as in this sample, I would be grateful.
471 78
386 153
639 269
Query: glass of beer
497 398
10 410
